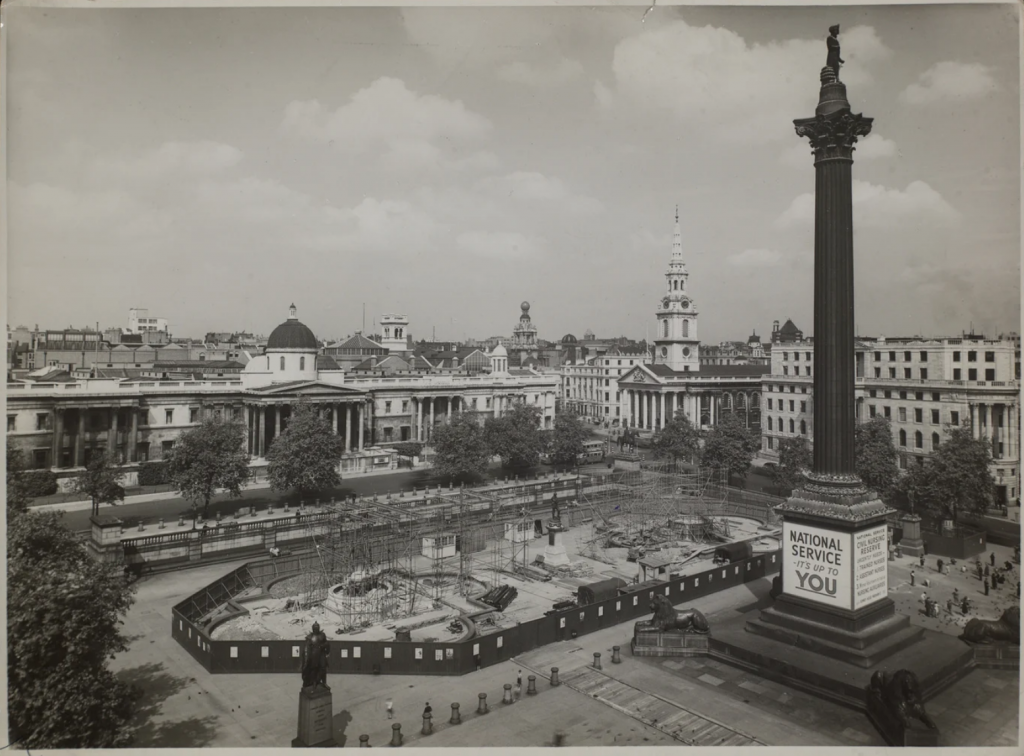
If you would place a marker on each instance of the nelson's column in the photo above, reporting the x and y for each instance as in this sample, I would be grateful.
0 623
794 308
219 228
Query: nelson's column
834 582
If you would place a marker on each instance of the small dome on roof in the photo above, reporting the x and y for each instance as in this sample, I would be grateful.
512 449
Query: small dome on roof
569 339
292 334
499 351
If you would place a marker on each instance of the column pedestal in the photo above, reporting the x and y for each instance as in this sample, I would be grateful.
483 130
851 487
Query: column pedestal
316 719
554 553
912 543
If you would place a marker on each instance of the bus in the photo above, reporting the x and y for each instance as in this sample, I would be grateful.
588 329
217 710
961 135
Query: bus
593 451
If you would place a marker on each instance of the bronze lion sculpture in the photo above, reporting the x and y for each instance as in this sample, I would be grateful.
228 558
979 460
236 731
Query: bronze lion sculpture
667 618
1006 628
899 693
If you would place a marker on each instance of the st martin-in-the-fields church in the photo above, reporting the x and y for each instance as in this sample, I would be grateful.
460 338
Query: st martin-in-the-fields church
651 394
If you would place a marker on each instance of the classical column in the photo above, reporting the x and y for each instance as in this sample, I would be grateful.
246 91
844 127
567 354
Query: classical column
112 435
448 401
79 439
360 410
348 428
419 418
974 420
993 420
334 417
261 431
58 437
133 439
662 396
277 422
1011 430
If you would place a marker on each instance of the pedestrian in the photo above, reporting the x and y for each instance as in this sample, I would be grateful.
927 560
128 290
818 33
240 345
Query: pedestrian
922 561
940 564
956 594
519 678
518 690
390 706
992 558
985 583
949 605
988 571
427 709
913 579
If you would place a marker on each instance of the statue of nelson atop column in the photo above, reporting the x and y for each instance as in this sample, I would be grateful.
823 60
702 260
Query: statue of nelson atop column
833 61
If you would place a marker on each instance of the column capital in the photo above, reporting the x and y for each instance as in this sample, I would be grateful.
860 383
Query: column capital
833 136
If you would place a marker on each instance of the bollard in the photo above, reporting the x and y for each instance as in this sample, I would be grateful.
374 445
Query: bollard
482 706
616 659
428 725
270 509
286 506
456 716
181 521
396 735
986 587
364 741
597 661
554 677
140 527
531 685
506 697
218 516
160 524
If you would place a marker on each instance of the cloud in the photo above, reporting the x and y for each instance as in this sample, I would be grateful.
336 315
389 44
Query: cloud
877 206
407 128
501 245
194 158
541 76
755 258
950 81
711 78
536 187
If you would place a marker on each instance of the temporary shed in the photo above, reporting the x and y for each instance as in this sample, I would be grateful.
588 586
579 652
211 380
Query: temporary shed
600 591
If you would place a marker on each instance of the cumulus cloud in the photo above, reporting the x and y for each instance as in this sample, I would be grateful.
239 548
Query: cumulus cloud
755 258
877 206
950 81
536 187
541 76
501 245
712 77
194 158
389 117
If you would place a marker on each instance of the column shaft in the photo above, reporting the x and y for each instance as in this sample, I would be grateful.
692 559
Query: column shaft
133 441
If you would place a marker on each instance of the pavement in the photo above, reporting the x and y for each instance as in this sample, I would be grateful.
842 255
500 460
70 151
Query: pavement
642 701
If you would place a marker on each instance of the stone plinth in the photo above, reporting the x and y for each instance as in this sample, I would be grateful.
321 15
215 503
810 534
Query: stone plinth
649 642
316 719
554 553
912 544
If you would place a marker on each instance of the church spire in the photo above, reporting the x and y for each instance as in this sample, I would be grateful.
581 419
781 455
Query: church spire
677 243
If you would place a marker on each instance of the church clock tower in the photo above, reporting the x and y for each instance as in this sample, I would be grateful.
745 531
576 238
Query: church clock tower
676 344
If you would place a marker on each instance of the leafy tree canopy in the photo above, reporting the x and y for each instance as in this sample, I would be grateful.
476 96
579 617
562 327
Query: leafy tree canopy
101 481
515 436
209 457
460 450
730 445
17 490
794 457
876 454
679 440
63 610
566 440
306 456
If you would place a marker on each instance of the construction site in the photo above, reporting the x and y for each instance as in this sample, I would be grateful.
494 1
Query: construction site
464 562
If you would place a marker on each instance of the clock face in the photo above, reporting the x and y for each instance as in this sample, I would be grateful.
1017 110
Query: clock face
664 303
685 304
664 351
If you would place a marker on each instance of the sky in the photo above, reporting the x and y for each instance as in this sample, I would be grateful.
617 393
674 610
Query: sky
217 165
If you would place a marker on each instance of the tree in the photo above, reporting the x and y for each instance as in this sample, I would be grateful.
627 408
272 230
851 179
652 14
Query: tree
63 610
876 455
101 482
460 451
515 436
566 440
209 457
730 445
954 479
678 440
17 491
794 457
306 456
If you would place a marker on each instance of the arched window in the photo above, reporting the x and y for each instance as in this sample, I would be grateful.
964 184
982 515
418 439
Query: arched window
665 329
769 423
918 440
781 427
302 363
935 441
803 427
792 426
675 285
282 362
903 437
686 328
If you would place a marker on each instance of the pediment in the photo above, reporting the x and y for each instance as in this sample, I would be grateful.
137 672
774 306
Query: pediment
309 388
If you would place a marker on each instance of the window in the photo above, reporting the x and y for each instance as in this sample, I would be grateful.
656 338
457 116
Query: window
956 356
771 441
665 329
972 374
990 374
11 423
872 393
919 396
792 426
803 427
770 423
888 394
924 356
906 356
193 415
918 415
892 372
935 417
956 374
785 370
803 406
918 440
41 420
972 356
302 363
796 370
405 405
935 441
878 372
954 418
282 362
686 328
165 447
990 356
887 412
871 410
781 427
892 356
792 406
878 356
903 437
936 397
168 417
785 356
769 403
143 451
906 373
902 414
903 395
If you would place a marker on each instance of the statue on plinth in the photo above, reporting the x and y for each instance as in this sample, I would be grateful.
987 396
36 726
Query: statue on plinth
556 512
1006 629
667 619
899 694
315 656
833 60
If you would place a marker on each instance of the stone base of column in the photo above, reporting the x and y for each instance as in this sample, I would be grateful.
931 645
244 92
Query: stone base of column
554 553
316 719
912 543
